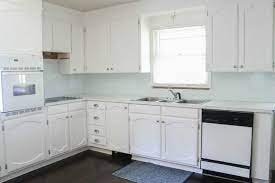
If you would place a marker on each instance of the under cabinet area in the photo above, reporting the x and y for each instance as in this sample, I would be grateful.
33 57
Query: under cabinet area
166 133
67 127
26 135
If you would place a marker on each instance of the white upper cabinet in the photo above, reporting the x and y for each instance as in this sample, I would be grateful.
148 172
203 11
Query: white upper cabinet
56 36
59 133
21 28
78 129
97 48
124 47
2 161
145 135
117 127
222 35
180 140
25 140
76 63
256 35
240 35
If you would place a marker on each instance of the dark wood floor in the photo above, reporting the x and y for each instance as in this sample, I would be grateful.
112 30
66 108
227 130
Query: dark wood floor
91 167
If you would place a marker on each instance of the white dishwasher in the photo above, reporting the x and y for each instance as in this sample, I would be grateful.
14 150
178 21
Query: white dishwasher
227 144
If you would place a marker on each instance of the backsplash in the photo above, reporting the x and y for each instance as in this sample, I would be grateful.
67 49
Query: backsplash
225 86
56 84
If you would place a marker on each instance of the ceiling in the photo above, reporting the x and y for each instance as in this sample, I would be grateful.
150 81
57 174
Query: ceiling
87 5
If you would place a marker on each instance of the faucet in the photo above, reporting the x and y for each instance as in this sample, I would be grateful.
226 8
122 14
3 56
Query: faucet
177 95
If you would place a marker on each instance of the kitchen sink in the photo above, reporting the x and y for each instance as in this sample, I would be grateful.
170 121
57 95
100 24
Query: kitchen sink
191 101
157 99
149 99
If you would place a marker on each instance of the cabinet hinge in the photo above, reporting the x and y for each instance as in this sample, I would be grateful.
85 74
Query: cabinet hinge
48 122
85 30
138 21
49 151
199 126
3 128
6 166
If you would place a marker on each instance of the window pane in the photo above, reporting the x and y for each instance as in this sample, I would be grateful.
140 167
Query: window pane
180 56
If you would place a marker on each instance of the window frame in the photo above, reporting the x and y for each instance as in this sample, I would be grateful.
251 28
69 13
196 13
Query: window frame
154 51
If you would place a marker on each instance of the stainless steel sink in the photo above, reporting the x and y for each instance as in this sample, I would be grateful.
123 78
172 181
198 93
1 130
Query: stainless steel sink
149 99
191 101
157 99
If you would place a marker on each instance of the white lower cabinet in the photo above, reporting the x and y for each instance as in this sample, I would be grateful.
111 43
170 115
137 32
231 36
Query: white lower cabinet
25 140
78 129
145 135
2 160
59 134
117 127
180 140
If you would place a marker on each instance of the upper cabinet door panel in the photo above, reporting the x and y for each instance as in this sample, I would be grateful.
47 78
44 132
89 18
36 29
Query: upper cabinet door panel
125 45
21 30
97 48
47 35
222 35
256 35
61 37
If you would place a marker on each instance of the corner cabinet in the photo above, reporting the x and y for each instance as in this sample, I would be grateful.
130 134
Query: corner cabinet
59 134
240 36
21 28
113 46
117 127
25 140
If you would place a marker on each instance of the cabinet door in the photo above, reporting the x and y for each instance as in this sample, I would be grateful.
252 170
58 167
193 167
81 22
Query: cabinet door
145 135
125 46
78 129
180 140
117 127
2 161
222 29
59 134
47 35
25 141
97 48
21 28
61 37
256 35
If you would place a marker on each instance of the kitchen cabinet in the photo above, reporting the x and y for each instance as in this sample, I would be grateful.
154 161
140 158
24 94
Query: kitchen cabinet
180 140
78 129
117 127
240 36
21 28
2 160
25 141
145 135
56 36
76 63
59 133
113 46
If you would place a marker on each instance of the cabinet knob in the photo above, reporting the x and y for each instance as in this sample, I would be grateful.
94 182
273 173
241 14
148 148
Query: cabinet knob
112 69
125 107
96 118
71 116
96 141
95 105
74 69
108 69
96 131
163 122
242 66
67 117
157 121
235 67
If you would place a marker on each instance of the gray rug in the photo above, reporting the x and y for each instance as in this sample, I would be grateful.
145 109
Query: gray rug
141 172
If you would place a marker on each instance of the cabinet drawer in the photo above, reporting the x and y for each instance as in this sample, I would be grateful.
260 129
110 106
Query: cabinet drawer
96 105
57 109
144 109
97 140
97 130
96 117
77 106
180 112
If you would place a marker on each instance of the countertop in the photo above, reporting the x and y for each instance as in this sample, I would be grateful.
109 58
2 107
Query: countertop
262 107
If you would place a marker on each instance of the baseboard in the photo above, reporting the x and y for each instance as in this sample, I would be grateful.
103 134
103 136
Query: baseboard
104 151
41 165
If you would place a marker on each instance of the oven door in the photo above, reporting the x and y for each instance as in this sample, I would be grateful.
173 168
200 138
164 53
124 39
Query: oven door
22 90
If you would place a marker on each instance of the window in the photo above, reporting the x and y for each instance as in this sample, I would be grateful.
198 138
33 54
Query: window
179 58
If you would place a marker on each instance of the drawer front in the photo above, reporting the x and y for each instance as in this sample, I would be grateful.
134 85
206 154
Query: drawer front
97 130
144 109
180 112
97 140
96 117
57 109
96 105
77 106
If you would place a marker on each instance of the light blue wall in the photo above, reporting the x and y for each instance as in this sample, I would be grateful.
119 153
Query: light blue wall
56 84
225 86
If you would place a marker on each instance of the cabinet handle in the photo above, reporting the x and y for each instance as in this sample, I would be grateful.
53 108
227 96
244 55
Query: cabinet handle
71 116
96 141
108 69
157 121
112 69
96 131
242 66
96 118
95 105
125 107
67 117
163 122
235 67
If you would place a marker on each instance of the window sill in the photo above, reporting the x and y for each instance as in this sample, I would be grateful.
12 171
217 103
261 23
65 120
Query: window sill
182 87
